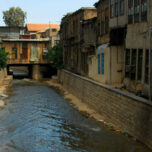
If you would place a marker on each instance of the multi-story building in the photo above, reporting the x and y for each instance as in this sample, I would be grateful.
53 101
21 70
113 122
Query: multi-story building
105 65
117 26
73 39
138 43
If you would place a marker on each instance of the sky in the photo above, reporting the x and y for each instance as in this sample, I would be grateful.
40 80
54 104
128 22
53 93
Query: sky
44 11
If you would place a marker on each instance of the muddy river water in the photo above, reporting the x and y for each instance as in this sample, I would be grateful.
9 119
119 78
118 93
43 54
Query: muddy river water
37 119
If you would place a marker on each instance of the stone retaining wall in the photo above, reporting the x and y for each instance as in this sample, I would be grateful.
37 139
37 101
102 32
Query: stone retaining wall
126 111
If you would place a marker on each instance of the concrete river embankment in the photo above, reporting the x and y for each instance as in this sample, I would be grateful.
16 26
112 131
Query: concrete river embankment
37 119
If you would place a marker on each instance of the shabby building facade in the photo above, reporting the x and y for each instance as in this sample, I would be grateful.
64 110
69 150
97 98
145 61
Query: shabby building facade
75 54
120 54
104 66
138 47
26 51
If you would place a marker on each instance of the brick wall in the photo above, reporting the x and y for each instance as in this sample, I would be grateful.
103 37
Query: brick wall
126 111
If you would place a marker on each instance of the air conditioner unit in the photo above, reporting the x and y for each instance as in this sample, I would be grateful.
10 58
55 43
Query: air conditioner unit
45 51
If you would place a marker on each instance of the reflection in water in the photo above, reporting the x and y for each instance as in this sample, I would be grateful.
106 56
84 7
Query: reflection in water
37 119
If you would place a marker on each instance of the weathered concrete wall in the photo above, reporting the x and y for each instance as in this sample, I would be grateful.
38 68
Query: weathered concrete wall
113 66
126 111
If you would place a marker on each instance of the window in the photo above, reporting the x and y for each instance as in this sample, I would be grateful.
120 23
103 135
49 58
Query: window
116 7
102 63
106 20
147 66
143 10
111 8
54 30
133 64
14 53
127 63
136 10
99 29
99 64
140 57
122 7
45 53
102 22
130 11
102 27
24 50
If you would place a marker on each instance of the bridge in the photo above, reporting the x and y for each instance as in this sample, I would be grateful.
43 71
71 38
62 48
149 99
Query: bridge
29 53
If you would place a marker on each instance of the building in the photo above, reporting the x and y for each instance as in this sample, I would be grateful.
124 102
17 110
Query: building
26 51
34 28
11 32
118 29
43 31
72 38
138 44
105 65
88 43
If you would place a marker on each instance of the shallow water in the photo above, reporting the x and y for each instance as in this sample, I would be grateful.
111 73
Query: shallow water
37 119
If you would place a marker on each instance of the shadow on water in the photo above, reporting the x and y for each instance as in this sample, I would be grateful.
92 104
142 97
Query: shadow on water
37 119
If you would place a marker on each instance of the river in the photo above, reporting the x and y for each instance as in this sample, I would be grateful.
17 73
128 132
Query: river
37 119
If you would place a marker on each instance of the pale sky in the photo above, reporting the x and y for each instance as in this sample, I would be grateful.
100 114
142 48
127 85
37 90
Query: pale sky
44 11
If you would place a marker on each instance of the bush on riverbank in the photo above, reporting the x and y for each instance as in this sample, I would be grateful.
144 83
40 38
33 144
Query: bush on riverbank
3 59
55 56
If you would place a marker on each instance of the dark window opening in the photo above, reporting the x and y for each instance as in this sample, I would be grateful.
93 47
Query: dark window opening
54 30
111 8
24 50
127 63
136 10
102 27
143 10
117 36
140 58
122 7
116 7
133 64
130 11
106 25
106 20
147 66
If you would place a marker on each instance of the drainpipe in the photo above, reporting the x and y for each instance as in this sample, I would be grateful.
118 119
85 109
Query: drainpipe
150 32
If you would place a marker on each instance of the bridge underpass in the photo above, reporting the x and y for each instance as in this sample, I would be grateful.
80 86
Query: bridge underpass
33 71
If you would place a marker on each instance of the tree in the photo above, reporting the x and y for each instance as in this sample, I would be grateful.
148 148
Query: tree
55 57
14 17
3 59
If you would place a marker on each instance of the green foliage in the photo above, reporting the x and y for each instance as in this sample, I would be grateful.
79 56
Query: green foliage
55 57
3 59
14 17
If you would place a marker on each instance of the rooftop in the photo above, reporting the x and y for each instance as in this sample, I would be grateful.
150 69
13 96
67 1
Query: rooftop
40 27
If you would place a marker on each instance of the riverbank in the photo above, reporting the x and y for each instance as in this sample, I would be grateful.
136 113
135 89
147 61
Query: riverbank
3 87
